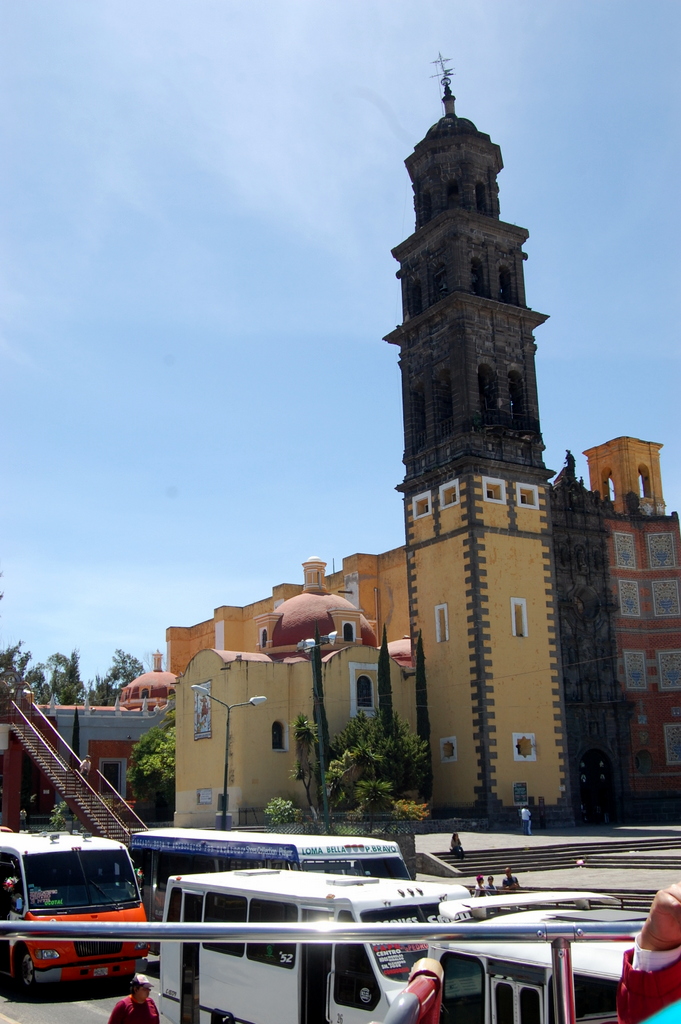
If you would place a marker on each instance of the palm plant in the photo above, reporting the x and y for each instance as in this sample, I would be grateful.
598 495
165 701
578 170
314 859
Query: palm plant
305 766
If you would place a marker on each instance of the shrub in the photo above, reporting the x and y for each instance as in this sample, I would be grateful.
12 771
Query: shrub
281 812
409 810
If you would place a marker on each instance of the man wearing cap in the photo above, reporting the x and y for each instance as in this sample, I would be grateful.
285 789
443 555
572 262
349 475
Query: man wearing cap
138 1007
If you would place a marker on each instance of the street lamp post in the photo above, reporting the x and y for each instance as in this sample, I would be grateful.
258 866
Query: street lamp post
310 646
197 688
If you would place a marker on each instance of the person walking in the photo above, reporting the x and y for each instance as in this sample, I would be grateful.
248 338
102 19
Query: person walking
526 819
138 1007
85 766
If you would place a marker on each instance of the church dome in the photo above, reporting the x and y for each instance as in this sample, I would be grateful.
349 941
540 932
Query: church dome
451 125
300 614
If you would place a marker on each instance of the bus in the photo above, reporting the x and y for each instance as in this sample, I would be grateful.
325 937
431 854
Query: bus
60 877
511 983
162 852
351 983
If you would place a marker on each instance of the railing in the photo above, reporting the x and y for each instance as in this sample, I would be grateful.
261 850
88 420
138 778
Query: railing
499 418
561 935
105 809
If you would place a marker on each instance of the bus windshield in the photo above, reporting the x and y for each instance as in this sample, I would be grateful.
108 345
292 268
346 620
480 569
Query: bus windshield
378 867
79 878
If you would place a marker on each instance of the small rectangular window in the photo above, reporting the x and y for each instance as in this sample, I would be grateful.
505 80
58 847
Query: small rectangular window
527 495
280 954
421 505
221 906
463 994
441 623
449 494
519 616
494 490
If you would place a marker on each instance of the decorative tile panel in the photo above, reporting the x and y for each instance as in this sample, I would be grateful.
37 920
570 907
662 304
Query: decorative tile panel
629 602
672 742
624 551
661 550
670 670
635 670
666 597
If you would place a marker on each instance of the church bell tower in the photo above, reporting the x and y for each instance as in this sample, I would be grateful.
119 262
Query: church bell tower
478 532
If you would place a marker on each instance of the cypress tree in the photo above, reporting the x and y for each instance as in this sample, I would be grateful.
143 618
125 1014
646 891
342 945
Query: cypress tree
422 716
75 735
385 692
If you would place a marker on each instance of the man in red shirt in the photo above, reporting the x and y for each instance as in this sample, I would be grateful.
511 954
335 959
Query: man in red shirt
651 978
138 1007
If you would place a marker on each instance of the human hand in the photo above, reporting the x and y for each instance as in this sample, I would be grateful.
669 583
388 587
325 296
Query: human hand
662 929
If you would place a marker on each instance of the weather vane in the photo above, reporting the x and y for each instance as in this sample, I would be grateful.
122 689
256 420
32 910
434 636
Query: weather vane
444 73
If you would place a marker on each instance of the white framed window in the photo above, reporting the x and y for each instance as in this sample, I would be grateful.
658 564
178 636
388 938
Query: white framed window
449 494
421 505
448 749
527 495
518 616
362 688
441 623
494 489
524 746
113 770
348 632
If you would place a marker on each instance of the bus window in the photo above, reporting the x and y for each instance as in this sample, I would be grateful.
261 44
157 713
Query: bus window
355 984
503 1003
110 875
65 878
530 1008
175 906
172 864
594 997
463 996
396 962
378 867
278 954
224 907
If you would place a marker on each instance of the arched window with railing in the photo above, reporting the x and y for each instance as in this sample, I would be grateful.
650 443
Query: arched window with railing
505 285
277 736
516 394
442 388
439 282
453 199
418 408
477 277
414 298
487 388
365 693
480 198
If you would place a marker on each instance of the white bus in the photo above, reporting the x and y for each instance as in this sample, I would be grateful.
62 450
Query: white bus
264 983
162 852
511 983
58 877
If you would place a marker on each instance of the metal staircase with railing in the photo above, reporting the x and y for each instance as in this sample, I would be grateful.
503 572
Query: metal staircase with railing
102 810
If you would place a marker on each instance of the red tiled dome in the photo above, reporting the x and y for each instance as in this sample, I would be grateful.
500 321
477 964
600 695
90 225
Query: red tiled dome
154 679
300 614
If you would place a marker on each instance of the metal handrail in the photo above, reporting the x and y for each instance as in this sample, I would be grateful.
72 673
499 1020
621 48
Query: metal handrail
319 931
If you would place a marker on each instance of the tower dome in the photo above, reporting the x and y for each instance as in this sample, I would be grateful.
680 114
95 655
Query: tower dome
300 614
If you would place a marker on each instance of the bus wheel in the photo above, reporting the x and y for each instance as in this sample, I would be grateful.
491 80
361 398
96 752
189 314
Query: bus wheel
24 971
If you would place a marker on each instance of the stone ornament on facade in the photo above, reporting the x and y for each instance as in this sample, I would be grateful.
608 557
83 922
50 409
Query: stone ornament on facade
666 597
629 602
661 550
635 669
672 742
670 670
625 556
448 749
524 746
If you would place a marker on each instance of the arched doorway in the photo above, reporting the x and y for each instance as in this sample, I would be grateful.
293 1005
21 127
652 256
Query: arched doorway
596 790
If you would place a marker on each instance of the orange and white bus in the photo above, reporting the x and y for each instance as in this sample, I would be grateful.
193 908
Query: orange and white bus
67 877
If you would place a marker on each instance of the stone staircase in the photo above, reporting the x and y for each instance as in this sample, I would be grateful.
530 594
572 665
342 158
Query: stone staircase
104 813
619 853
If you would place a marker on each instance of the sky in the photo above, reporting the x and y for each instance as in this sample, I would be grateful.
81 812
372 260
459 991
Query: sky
197 206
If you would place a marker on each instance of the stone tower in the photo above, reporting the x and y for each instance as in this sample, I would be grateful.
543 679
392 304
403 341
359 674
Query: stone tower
478 532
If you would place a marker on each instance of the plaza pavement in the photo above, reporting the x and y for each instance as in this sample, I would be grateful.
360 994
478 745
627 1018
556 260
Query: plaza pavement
637 877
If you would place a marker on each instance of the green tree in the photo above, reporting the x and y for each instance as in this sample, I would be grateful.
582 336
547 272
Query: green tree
305 765
395 755
75 735
15 659
373 795
422 716
125 667
64 683
385 690
151 772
